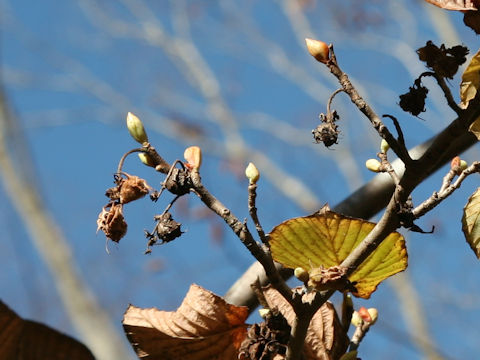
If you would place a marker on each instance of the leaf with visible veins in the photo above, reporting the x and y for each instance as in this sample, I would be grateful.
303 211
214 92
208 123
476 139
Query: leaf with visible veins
325 240
471 222
204 327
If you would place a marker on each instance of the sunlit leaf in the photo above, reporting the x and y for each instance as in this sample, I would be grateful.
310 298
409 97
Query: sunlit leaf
25 339
326 338
471 222
325 240
454 4
204 327
470 80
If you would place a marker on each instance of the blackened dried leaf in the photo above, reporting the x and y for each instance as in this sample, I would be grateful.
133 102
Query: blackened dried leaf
472 20
444 61
167 229
459 52
179 182
429 53
414 101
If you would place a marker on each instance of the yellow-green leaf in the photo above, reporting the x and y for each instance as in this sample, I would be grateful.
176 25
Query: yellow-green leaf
470 80
471 222
325 240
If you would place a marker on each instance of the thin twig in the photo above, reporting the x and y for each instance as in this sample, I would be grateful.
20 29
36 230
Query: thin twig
400 139
388 168
445 191
244 235
445 89
358 335
122 160
330 99
252 209
361 104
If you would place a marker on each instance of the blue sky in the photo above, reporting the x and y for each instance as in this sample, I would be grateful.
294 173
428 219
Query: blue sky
72 71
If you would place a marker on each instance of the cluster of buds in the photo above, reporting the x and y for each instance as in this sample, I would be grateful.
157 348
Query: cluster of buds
364 316
457 165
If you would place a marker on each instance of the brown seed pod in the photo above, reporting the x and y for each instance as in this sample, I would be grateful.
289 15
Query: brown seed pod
111 222
132 188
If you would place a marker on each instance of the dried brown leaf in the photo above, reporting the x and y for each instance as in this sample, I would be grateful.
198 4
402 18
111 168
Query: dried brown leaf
454 4
29 340
111 221
325 338
204 327
471 222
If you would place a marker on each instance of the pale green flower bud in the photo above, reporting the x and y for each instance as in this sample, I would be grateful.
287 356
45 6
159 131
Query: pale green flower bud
373 165
252 173
356 319
264 312
136 129
373 315
384 146
146 159
301 274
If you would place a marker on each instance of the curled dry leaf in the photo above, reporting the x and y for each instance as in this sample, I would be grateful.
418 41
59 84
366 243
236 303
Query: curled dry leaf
325 240
470 80
455 4
132 188
25 339
469 88
204 327
471 222
326 338
111 221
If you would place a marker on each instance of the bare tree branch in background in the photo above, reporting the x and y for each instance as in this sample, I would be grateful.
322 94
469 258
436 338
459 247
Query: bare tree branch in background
91 322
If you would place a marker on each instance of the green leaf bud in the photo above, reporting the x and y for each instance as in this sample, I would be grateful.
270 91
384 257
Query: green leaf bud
373 165
136 129
252 173
384 146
